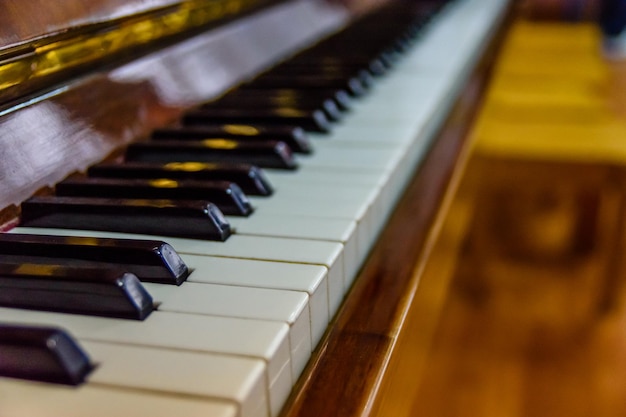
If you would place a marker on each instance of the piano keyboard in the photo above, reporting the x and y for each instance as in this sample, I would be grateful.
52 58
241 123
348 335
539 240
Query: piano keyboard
234 338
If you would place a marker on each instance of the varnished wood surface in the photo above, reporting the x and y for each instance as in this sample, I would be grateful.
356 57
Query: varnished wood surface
531 305
24 21
44 139
21 20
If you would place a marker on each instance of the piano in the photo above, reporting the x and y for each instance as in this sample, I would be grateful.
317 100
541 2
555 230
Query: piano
273 296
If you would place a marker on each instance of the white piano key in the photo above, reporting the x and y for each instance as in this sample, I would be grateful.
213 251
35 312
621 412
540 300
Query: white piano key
322 192
290 307
377 179
341 201
190 374
411 98
327 175
266 340
343 209
307 227
438 44
310 279
336 201
353 158
358 211
464 27
30 399
337 198
313 252
357 135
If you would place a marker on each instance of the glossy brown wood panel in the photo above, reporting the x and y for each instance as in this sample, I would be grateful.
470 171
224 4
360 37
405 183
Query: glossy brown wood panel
23 20
346 372
44 139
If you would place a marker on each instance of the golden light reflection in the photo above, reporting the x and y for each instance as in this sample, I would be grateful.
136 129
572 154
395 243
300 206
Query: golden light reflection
90 45
163 183
287 112
153 203
220 143
188 166
246 130
33 269
287 98
86 241
14 73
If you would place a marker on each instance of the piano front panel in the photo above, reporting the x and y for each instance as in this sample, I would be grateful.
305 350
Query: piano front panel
45 138
355 177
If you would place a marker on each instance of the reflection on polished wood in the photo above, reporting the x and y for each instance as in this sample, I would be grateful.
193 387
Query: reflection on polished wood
26 19
45 139
28 64
530 292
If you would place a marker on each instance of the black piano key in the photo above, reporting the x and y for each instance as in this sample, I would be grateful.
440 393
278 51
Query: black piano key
248 177
295 137
44 354
232 131
352 85
310 120
301 102
76 290
338 70
339 96
227 196
190 219
373 66
268 154
150 260
374 61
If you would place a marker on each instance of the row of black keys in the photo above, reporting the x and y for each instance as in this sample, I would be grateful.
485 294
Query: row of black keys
179 183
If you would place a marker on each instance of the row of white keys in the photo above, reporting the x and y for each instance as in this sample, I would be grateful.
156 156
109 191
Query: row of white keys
301 306
31 399
241 361
238 274
317 255
248 258
289 307
289 225
316 219
326 254
314 211
311 280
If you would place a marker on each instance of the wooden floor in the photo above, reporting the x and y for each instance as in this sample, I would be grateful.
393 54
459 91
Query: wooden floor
534 322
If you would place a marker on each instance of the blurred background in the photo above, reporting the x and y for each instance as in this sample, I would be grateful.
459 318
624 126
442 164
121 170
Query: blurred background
533 323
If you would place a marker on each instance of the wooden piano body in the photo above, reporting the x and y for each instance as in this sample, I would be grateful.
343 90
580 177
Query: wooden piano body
52 125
